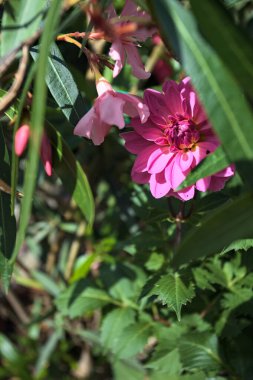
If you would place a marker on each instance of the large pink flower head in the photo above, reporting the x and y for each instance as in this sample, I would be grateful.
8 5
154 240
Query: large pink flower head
108 110
125 46
176 137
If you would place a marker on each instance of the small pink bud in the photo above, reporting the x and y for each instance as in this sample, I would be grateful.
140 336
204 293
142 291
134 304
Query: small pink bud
46 154
21 139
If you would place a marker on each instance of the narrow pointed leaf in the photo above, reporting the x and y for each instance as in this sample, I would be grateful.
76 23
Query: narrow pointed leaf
63 86
7 222
229 41
231 221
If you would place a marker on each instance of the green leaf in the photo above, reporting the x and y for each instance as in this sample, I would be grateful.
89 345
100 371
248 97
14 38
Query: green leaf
21 19
11 111
171 291
243 244
79 299
169 363
231 44
126 370
212 164
7 221
200 351
37 122
224 102
72 175
231 221
46 351
113 325
133 339
63 86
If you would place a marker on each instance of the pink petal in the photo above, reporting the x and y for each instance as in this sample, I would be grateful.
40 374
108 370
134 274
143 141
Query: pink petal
130 8
134 143
186 160
159 164
103 86
187 193
149 133
174 174
110 109
217 183
173 98
203 184
227 172
134 106
92 127
134 60
157 106
158 185
46 155
117 53
141 162
21 139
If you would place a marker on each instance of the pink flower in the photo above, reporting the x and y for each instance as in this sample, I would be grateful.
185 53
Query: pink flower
21 139
125 46
20 143
176 137
108 110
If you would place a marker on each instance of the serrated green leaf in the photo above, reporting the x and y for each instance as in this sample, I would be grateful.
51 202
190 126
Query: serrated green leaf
243 244
219 92
200 351
132 340
203 278
79 299
112 326
63 86
171 291
233 46
231 221
72 175
169 363
21 19
7 221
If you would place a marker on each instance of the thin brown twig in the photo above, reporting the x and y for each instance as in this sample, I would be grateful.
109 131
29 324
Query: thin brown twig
74 249
7 99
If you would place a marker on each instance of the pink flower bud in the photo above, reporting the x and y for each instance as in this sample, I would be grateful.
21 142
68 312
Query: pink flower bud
46 154
21 139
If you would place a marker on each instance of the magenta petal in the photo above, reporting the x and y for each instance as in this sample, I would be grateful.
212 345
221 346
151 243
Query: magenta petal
217 183
149 133
141 162
134 60
134 143
203 184
140 178
158 185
